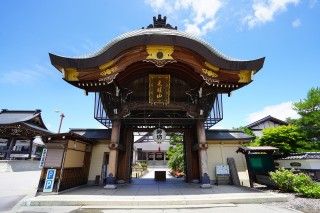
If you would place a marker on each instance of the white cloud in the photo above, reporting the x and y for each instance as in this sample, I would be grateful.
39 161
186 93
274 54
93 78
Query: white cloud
296 23
280 111
265 10
202 14
24 76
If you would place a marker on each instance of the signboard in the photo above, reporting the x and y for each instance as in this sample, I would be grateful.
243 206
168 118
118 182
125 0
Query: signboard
150 156
48 184
159 89
43 158
54 158
159 135
159 156
222 170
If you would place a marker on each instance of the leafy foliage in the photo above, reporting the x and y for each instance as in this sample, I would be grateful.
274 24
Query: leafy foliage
286 138
301 183
283 179
309 109
246 130
176 153
301 180
311 191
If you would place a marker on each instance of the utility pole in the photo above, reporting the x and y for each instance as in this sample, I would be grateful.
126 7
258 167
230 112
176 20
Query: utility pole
61 119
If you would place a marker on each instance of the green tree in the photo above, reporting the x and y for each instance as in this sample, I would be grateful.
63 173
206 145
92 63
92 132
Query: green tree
246 130
176 153
286 138
309 110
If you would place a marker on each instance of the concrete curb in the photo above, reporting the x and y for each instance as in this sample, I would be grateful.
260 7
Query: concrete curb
100 200
161 207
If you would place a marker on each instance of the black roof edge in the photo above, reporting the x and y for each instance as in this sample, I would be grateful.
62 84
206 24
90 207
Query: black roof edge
20 111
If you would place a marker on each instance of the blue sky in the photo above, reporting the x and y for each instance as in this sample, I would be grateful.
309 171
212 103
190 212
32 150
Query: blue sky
286 32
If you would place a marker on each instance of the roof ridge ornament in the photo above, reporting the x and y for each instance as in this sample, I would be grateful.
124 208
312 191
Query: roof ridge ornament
160 23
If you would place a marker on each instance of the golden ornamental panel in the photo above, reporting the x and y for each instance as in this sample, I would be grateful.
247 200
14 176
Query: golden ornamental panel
71 74
159 52
159 89
245 76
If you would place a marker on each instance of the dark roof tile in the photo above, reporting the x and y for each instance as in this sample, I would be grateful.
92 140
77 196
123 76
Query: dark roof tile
97 134
227 135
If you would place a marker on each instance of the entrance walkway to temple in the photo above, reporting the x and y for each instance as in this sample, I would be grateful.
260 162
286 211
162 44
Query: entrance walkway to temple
147 181
146 194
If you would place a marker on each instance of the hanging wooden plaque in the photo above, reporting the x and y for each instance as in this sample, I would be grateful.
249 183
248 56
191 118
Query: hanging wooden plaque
159 89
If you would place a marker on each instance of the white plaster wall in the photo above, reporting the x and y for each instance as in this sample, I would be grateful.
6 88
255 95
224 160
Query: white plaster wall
218 154
305 163
97 159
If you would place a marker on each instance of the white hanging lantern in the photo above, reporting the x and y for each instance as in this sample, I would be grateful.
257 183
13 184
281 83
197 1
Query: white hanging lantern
159 135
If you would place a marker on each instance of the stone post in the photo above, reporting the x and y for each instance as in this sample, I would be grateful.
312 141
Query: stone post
113 155
203 155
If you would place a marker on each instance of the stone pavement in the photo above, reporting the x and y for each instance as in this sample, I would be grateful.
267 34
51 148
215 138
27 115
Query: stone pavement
152 169
146 195
14 186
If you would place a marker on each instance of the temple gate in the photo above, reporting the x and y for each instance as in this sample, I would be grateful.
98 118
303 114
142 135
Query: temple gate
157 77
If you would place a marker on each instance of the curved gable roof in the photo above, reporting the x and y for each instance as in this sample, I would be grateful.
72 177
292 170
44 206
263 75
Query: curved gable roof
161 36
18 116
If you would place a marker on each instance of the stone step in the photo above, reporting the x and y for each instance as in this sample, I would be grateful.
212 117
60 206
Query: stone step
161 207
100 200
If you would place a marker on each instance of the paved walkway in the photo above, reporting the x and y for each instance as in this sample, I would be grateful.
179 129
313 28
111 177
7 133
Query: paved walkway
14 186
152 169
146 195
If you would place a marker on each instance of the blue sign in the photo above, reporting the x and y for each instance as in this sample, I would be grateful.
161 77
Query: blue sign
49 182
51 174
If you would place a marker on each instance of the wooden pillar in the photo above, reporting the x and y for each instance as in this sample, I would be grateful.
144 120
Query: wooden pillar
113 155
12 141
191 156
203 155
30 148
125 155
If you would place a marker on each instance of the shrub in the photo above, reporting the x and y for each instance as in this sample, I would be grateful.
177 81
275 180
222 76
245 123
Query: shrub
310 191
301 180
301 183
283 179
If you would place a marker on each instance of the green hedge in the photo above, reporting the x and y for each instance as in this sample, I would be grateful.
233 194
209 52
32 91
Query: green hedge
300 183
